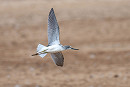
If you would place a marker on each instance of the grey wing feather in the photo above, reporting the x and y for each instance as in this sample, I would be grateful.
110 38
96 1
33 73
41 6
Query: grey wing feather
58 58
53 29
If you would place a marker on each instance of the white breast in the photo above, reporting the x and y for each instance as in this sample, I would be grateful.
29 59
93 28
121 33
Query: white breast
54 48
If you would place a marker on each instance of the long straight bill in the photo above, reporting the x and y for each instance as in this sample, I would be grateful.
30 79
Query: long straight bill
74 49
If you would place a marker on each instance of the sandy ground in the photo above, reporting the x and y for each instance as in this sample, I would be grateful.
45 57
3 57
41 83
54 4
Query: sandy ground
99 28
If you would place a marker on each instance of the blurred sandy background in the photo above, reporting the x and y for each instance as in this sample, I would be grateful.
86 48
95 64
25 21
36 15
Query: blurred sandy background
99 28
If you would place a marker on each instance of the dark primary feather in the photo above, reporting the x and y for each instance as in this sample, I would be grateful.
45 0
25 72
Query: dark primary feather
53 29
58 58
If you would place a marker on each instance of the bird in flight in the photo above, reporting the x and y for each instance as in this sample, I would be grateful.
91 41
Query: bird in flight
54 47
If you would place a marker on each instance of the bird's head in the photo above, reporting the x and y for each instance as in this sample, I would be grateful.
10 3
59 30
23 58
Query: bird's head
69 47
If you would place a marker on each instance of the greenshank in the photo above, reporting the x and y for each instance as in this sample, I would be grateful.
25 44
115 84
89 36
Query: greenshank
54 47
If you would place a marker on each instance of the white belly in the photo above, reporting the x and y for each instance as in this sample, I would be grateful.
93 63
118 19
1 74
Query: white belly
54 49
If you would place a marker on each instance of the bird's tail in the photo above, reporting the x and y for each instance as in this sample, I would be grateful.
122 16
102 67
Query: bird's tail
39 47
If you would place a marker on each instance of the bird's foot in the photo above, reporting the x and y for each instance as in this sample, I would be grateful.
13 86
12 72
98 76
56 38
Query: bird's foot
35 54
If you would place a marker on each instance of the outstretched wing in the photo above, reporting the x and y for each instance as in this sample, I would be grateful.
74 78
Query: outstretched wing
53 29
58 58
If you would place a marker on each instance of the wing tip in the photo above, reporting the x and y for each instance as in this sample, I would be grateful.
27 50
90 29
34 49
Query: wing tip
61 65
51 11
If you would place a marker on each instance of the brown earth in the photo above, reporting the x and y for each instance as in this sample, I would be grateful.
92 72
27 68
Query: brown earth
99 28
